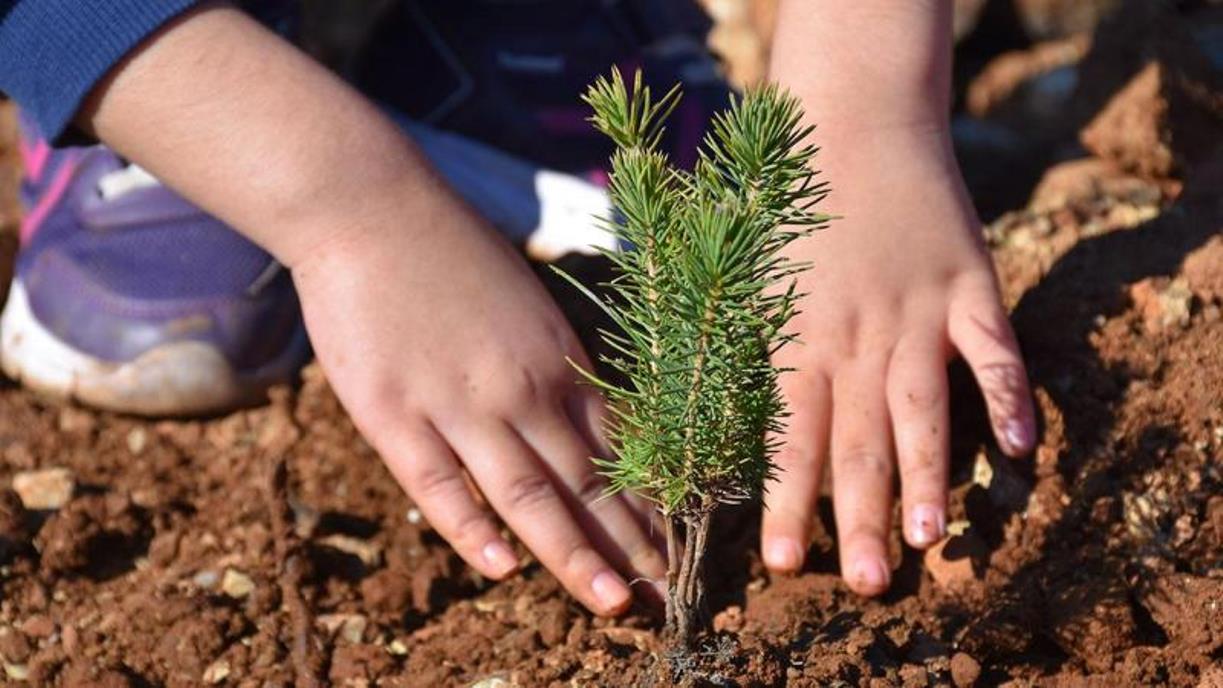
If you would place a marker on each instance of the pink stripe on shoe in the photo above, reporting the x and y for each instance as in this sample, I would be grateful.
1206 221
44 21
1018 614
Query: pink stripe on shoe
55 191
34 157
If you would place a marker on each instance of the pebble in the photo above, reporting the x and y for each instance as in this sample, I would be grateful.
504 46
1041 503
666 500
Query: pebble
350 627
17 672
217 671
44 490
236 584
1162 304
368 552
206 578
137 440
964 670
397 648
492 682
729 619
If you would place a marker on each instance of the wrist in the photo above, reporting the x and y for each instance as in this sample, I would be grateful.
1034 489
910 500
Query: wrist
866 64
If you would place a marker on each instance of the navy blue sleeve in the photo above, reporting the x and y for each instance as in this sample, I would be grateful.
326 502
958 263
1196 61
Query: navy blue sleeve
52 52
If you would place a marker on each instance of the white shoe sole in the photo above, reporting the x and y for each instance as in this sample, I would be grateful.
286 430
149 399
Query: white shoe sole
178 379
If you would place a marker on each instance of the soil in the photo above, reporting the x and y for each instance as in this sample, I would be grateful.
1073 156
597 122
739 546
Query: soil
269 547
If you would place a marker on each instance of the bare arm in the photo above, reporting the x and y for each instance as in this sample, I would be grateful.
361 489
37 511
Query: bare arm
256 132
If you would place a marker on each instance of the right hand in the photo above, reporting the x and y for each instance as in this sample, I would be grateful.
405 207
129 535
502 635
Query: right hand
451 358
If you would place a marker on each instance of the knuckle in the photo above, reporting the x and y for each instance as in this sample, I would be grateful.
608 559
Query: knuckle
577 559
993 329
437 482
528 491
921 463
469 528
860 460
1004 386
789 457
591 489
517 390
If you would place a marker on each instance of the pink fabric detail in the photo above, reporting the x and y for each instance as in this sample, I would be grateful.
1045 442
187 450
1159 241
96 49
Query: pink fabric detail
34 157
59 184
598 178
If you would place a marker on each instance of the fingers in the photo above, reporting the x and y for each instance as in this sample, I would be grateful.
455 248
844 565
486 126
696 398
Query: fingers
615 528
790 501
423 463
862 474
917 400
981 331
515 483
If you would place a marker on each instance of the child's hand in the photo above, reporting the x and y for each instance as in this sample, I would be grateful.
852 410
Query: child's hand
897 285
450 356
439 341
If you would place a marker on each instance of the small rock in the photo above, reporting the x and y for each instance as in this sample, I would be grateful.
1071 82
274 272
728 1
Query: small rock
44 490
216 672
206 578
492 682
368 552
956 560
350 627
487 606
982 472
17 672
305 518
397 648
236 584
729 619
414 516
137 440
964 670
622 635
1162 304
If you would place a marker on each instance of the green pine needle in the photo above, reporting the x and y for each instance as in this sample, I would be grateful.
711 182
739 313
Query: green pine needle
703 298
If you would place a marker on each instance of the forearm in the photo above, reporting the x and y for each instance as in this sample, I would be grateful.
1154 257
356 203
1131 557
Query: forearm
866 64
259 135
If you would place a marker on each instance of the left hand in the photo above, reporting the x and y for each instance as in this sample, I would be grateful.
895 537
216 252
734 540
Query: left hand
898 285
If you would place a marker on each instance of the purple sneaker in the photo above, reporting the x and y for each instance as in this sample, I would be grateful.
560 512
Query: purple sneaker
127 297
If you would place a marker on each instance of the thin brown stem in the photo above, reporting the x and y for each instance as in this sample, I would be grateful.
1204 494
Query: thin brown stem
674 547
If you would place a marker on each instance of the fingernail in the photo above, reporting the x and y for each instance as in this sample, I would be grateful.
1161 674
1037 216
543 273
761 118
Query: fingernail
611 592
872 575
783 554
500 558
1019 435
926 525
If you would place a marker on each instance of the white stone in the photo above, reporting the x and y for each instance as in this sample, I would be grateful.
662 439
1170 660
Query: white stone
46 489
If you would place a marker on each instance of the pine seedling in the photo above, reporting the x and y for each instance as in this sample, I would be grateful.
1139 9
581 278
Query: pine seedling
700 301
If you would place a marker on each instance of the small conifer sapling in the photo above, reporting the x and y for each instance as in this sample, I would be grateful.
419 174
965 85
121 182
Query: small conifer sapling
700 300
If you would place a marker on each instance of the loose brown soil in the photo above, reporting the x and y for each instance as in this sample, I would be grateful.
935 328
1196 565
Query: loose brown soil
270 547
